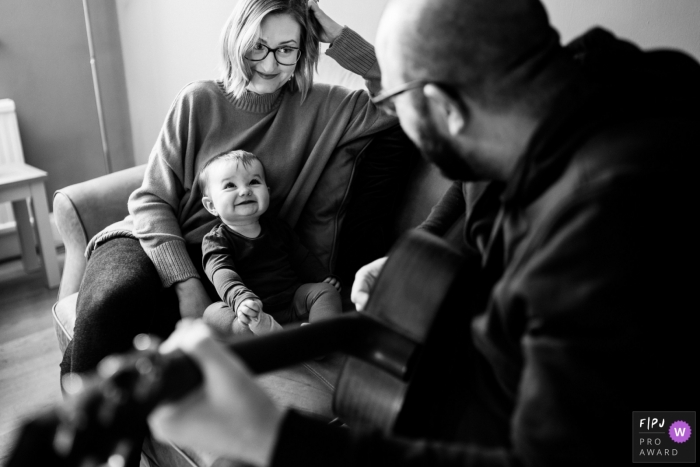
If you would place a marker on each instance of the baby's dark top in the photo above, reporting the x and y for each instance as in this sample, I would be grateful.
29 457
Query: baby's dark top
269 267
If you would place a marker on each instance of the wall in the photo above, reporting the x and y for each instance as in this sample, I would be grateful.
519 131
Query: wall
649 23
168 43
112 82
45 69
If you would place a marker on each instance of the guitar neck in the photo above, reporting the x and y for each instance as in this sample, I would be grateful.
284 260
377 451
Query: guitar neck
352 334
147 378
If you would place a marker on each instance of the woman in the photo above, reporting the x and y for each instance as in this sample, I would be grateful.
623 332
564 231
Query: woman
144 273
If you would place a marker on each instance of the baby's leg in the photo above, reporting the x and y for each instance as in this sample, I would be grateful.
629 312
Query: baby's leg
223 320
318 301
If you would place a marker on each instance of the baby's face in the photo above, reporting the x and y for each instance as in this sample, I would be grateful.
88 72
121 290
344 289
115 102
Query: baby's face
238 193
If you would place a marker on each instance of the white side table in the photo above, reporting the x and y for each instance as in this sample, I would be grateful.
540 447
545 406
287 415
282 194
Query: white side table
19 182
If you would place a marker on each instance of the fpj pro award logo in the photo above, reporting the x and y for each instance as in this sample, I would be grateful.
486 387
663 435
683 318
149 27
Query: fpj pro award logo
663 436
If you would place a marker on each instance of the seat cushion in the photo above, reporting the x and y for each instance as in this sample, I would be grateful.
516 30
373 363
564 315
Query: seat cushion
306 386
64 319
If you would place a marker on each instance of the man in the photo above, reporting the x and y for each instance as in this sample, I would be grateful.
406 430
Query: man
584 231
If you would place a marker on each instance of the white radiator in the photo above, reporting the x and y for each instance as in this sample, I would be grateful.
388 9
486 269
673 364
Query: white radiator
10 152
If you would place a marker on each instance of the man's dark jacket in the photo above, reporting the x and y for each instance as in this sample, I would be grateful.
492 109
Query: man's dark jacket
590 260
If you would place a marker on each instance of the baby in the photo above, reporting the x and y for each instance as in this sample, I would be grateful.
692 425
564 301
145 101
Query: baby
284 282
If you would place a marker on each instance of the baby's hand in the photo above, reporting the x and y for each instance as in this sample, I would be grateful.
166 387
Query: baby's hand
248 310
334 282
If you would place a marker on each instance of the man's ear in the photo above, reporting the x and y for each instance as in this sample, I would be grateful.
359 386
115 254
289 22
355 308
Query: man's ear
209 205
447 108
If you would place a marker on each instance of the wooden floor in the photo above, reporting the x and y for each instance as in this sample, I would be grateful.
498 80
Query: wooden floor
29 354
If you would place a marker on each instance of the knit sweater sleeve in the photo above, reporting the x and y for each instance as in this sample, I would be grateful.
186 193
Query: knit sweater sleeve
357 55
154 206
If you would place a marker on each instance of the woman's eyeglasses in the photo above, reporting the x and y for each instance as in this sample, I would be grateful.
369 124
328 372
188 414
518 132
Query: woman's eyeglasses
284 55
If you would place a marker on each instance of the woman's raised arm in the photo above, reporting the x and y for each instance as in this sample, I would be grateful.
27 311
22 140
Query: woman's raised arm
348 48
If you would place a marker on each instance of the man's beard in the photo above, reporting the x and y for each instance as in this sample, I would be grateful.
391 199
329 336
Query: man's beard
443 154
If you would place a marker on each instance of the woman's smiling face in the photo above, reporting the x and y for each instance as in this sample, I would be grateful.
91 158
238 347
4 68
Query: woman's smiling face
276 31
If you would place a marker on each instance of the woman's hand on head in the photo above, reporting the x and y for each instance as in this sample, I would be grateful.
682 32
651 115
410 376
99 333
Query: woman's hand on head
192 298
330 30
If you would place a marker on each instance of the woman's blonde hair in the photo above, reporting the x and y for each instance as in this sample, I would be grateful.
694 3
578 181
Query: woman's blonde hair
242 30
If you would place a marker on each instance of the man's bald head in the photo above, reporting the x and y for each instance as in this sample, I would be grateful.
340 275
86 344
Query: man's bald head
488 49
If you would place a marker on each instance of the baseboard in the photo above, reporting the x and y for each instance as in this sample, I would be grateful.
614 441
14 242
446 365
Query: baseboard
9 241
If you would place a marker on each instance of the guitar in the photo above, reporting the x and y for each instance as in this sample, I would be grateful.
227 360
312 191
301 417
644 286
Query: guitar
400 374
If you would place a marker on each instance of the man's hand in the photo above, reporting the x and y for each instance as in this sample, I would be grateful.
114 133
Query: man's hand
334 282
230 415
365 278
192 298
330 30
249 310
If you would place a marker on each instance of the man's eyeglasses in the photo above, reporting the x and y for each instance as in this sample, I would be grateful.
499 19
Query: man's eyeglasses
284 55
385 100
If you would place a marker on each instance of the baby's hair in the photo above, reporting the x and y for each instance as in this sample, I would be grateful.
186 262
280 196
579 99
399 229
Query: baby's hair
239 156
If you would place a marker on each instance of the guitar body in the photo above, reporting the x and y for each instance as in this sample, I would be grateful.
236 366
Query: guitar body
420 295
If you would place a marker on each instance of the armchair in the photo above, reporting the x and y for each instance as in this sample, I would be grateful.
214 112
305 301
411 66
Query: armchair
83 209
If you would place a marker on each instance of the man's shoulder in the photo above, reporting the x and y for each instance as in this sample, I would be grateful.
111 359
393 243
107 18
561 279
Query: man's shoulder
641 150
616 165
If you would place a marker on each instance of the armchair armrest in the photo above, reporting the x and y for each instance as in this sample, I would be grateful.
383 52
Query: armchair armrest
84 209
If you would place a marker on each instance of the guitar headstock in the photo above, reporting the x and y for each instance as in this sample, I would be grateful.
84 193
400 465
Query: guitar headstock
104 415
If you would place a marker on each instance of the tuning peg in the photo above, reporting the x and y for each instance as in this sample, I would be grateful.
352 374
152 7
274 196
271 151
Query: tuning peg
72 383
146 342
